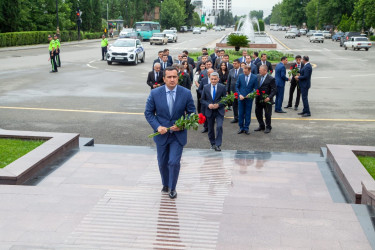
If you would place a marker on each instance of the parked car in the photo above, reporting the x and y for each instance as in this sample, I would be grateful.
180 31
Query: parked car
296 31
284 28
357 43
347 36
310 33
217 28
172 35
190 29
159 38
196 30
336 37
134 35
204 29
303 32
126 50
125 31
173 28
222 28
327 34
317 37
290 34
183 29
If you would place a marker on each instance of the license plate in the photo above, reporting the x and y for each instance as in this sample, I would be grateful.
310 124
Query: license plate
119 58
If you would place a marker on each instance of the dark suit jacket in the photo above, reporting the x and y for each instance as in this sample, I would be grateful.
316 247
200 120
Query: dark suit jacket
157 112
269 66
305 77
242 59
151 79
203 83
256 61
293 80
186 80
280 75
213 57
191 62
168 65
207 99
269 86
242 88
170 60
232 79
157 60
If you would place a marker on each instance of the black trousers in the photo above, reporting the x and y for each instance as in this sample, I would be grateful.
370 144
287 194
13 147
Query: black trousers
199 106
267 113
293 86
53 61
104 51
57 58
235 109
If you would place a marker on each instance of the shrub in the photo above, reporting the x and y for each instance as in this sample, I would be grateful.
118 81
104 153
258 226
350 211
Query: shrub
372 38
238 41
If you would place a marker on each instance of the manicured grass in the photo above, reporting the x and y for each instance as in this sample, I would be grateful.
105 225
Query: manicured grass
369 163
273 56
12 149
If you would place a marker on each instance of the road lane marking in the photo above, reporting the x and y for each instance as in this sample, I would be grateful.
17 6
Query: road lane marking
282 44
89 64
135 113
362 75
322 77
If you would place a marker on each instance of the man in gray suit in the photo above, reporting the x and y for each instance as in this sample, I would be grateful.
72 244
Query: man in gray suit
231 85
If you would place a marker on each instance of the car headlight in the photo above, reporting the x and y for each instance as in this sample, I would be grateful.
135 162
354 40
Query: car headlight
131 51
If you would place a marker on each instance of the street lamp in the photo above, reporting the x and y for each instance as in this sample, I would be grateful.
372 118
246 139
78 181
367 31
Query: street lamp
161 2
57 18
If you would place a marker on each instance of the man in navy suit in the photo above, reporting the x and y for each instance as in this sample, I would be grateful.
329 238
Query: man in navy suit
243 58
231 86
246 83
254 69
294 84
165 63
164 106
280 76
256 59
170 59
214 111
305 84
155 77
159 59
214 55
189 59
205 81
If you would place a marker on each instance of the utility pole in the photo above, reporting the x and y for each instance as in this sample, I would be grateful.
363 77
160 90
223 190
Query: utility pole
107 18
317 16
161 2
57 15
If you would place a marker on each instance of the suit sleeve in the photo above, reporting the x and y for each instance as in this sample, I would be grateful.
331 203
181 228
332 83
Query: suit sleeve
149 80
273 88
307 73
204 97
150 112
283 74
229 82
190 106
238 86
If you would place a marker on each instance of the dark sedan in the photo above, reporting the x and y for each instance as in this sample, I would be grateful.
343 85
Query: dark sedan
336 37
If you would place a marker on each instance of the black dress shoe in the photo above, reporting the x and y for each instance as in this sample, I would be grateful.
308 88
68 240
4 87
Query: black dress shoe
258 129
247 132
234 121
205 130
213 147
164 189
173 194
301 113
240 131
306 115
217 148
281 111
286 107
267 130
295 108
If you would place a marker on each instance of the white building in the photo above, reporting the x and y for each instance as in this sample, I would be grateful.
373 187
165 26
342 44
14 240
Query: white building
218 5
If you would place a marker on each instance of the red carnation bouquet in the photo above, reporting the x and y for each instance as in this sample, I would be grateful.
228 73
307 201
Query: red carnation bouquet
293 71
181 78
186 122
156 85
264 96
228 100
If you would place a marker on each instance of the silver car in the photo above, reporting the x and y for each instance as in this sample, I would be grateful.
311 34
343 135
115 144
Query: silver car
290 34
125 50
172 35
159 38
196 30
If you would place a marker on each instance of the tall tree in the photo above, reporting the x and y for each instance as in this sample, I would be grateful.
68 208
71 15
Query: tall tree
10 11
293 12
276 14
364 13
172 14
258 14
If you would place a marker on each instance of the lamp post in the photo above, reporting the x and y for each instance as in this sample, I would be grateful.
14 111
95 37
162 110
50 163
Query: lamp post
161 2
57 16
317 17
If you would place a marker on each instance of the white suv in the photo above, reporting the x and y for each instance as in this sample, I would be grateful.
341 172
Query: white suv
126 51
317 37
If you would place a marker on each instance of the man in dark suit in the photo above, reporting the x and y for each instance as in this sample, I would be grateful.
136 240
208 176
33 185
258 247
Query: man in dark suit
267 84
179 59
280 76
254 69
205 81
189 59
305 84
231 86
165 63
164 106
256 59
225 59
155 77
218 59
159 59
203 59
246 83
204 72
214 55
264 62
294 85
170 59
186 82
214 111
243 57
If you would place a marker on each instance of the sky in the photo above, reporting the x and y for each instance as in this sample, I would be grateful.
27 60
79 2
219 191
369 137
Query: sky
240 7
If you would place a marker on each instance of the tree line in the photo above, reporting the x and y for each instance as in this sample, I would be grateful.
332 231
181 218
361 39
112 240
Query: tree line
39 15
346 15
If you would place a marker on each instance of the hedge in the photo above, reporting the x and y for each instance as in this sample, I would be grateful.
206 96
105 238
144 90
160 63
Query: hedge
40 37
372 38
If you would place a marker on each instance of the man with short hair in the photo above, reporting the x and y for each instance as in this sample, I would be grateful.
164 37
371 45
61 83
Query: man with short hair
225 59
203 60
204 82
179 59
305 84
214 110
104 45
264 61
256 59
254 69
189 59
170 59
231 86
246 83
218 59
243 58
204 51
165 63
159 59
155 77
280 76
215 55
266 87
164 106
294 84
204 72
51 49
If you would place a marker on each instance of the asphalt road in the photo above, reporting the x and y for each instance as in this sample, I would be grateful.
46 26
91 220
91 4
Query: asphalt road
89 97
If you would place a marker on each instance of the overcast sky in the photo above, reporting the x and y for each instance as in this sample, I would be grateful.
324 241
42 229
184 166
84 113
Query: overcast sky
240 7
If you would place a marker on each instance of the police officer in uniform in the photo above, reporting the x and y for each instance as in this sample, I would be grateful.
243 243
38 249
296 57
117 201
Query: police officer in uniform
51 49
104 44
57 52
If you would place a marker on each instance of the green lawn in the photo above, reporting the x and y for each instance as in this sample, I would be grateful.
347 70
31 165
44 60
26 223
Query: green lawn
12 149
273 56
369 163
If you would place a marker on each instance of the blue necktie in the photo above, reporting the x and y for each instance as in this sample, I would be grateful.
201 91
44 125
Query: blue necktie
246 79
235 74
171 101
214 94
261 82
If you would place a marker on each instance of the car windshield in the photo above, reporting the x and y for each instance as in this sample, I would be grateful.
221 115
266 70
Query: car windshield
361 39
168 32
143 26
123 43
131 34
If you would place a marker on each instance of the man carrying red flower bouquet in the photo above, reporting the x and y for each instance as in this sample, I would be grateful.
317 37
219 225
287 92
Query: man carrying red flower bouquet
267 90
294 84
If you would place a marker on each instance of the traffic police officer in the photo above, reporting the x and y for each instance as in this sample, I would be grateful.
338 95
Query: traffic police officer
52 48
104 44
57 52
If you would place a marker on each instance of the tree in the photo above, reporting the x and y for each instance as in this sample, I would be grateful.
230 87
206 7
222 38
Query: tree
267 20
196 19
331 11
311 14
258 14
172 14
293 12
276 14
10 11
364 14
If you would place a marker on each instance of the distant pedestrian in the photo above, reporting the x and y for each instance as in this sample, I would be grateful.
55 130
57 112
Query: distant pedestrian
51 49
104 44
58 46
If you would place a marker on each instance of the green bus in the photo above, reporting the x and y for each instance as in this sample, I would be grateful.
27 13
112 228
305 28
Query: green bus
147 29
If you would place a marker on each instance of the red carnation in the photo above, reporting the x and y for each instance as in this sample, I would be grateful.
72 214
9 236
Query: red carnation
263 92
226 110
236 95
201 119
291 67
202 75
182 73
156 83
257 90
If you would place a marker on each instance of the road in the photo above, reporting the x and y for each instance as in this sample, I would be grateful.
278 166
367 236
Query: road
89 97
